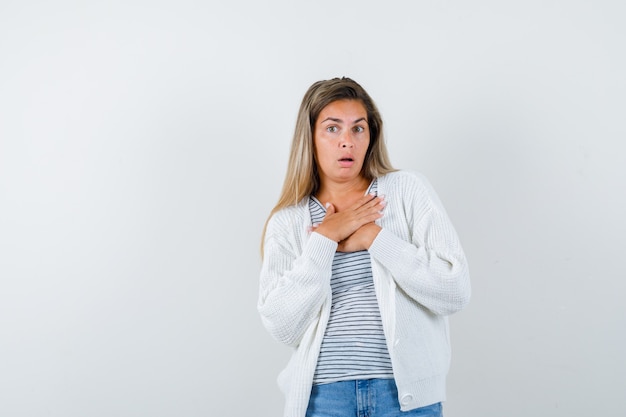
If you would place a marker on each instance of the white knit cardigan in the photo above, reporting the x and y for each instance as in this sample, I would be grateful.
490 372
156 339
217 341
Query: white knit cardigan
420 274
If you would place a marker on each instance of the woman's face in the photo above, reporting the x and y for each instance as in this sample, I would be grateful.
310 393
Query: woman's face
341 139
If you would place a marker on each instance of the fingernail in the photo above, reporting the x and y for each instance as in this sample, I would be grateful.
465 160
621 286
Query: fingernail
327 205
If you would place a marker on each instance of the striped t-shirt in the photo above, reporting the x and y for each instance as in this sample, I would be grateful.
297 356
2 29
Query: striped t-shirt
354 345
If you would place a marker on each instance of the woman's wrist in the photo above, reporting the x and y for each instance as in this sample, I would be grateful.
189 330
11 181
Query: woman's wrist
326 232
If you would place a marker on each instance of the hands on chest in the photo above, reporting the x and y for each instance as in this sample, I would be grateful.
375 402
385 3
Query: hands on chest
353 228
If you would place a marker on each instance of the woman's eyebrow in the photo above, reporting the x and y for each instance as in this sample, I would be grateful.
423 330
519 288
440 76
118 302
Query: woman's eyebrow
333 119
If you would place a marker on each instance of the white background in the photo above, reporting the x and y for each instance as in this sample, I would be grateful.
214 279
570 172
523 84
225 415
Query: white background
143 143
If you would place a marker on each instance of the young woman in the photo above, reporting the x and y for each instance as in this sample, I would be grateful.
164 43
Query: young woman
361 266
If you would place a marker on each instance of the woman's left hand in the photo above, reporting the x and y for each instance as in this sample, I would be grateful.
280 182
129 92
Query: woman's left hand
362 239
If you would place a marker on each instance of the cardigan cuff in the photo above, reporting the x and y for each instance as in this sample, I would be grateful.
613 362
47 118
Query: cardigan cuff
320 248
386 247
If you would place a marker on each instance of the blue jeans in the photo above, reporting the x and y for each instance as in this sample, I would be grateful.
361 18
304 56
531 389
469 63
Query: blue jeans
362 398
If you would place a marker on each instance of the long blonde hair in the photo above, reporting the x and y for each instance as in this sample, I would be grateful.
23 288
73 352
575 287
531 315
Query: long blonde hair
302 178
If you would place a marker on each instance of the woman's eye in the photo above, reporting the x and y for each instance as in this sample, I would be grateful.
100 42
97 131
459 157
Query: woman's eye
332 129
359 129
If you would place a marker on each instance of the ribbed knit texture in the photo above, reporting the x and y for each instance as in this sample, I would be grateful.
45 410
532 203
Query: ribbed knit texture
420 275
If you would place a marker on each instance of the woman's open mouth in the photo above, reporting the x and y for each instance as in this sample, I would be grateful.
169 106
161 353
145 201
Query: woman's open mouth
346 161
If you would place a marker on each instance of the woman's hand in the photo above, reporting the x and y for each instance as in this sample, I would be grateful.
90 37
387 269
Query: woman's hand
339 226
362 239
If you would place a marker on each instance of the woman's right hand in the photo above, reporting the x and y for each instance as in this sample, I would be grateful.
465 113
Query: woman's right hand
341 225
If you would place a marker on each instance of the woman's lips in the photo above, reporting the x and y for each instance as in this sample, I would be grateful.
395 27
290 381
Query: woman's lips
346 162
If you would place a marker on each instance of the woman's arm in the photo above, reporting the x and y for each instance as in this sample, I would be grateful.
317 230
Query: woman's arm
293 287
431 268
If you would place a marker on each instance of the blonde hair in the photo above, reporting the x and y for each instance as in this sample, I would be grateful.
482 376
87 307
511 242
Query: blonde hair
302 178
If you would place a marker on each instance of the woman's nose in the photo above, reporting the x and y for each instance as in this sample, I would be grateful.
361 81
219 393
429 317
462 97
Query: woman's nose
346 141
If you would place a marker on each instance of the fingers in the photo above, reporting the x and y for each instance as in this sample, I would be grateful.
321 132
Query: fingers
369 217
367 212
373 203
363 201
366 206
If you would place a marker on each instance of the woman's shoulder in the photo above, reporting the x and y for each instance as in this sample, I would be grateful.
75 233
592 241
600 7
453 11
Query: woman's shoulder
404 178
410 186
287 216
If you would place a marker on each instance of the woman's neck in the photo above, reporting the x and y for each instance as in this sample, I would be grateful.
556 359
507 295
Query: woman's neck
342 195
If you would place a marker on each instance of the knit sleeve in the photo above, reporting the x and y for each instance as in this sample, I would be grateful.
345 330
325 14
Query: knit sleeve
293 286
429 265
